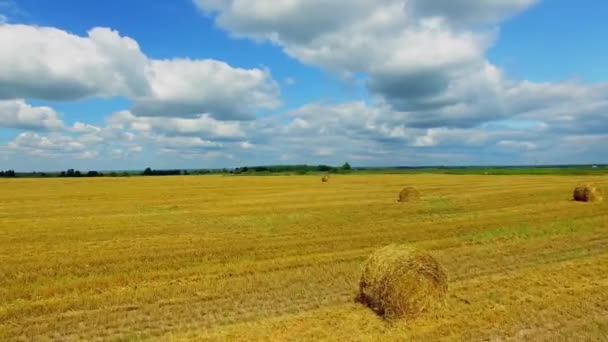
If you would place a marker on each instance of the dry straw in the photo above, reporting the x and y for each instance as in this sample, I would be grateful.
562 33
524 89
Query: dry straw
587 193
408 194
325 179
402 282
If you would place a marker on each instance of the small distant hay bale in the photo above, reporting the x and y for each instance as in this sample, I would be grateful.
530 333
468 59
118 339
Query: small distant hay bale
587 193
408 194
325 179
402 282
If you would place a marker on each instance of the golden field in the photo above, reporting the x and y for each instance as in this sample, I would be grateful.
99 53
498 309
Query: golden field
279 258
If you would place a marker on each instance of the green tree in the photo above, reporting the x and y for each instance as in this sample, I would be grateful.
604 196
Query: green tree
8 173
346 167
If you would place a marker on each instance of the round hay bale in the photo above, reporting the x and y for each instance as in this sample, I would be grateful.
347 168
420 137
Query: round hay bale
325 179
402 282
408 194
587 193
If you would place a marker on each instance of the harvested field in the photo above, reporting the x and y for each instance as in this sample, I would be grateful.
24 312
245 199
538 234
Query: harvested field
275 258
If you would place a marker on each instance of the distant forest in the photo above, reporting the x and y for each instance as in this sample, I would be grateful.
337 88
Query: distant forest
294 169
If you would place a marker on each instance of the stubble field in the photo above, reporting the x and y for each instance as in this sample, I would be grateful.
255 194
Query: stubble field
279 258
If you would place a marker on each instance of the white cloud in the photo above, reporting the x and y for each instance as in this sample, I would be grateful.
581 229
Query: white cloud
469 12
186 142
297 20
81 141
407 47
18 114
203 125
52 64
79 127
424 58
246 145
424 63
377 135
52 144
183 87
124 136
88 155
325 152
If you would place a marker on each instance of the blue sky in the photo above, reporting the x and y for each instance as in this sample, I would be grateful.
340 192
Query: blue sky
226 83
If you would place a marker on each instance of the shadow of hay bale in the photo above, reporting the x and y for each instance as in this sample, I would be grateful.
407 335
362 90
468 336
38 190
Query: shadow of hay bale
402 282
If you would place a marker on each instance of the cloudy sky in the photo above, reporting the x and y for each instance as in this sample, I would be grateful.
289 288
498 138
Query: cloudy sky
223 83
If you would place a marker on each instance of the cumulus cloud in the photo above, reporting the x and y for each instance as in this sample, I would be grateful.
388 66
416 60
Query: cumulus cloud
80 141
186 143
51 64
184 87
425 67
48 146
423 57
80 127
125 136
203 125
409 47
378 135
305 20
565 107
470 11
18 114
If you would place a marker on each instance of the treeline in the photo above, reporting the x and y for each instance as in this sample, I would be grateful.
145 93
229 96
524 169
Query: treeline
149 172
293 169
8 174
71 173
299 169
76 173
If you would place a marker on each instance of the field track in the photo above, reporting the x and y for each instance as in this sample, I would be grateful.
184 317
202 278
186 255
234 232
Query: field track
273 258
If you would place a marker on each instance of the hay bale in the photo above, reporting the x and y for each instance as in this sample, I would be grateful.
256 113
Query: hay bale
402 282
587 193
325 179
408 194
